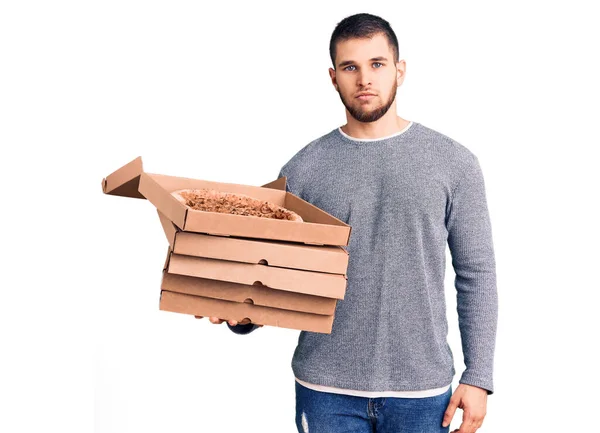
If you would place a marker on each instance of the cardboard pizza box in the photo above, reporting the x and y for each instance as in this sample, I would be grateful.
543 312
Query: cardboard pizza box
207 307
324 258
318 227
291 280
251 294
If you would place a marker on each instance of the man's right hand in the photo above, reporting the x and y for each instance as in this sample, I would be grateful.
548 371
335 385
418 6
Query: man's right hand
217 321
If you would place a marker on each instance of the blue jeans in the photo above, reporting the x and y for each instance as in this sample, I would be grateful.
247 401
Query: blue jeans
325 412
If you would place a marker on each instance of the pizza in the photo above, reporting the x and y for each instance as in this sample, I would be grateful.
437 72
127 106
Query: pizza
210 200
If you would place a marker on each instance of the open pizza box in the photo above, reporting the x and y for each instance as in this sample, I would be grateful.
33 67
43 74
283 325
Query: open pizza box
331 259
317 228
207 307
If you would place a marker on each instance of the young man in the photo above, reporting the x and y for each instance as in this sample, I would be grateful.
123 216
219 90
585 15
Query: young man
406 190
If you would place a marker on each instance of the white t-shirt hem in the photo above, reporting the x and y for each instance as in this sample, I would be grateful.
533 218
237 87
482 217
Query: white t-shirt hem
376 394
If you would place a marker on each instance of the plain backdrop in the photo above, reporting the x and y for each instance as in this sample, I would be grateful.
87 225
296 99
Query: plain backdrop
229 92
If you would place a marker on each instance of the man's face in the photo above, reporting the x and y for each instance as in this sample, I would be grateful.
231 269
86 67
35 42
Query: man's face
367 66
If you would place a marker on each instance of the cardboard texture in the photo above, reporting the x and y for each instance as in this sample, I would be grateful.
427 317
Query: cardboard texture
318 227
273 272
125 181
207 307
330 259
293 280
255 294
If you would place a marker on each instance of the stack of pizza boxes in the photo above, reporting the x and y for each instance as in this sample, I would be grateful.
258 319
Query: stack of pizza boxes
273 272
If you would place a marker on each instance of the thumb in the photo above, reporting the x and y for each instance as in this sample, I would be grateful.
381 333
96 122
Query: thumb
449 414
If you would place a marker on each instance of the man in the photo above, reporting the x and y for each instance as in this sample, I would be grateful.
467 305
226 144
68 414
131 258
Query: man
406 190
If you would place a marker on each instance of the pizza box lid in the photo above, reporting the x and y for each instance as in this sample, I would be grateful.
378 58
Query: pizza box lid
318 227
228 310
292 280
322 258
250 294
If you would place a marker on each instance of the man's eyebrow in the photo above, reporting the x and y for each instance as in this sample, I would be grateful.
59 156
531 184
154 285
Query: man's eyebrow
349 62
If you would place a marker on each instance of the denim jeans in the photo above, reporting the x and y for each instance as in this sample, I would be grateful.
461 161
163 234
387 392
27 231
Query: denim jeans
325 412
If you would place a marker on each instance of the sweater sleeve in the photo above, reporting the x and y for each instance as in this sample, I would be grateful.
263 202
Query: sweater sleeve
282 173
471 247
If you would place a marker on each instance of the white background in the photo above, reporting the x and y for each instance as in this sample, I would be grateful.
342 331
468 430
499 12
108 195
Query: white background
230 92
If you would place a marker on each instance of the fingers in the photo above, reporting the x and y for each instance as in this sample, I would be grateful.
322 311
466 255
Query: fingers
232 322
235 322
473 401
470 423
450 410
216 320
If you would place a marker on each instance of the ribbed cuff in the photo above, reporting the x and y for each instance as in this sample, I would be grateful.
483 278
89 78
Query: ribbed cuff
471 379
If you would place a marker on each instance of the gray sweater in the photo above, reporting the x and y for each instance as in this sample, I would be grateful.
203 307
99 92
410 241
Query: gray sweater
405 196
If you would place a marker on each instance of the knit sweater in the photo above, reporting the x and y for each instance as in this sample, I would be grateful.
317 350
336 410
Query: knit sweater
406 197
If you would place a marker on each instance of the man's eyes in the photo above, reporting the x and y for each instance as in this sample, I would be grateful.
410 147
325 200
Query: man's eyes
352 66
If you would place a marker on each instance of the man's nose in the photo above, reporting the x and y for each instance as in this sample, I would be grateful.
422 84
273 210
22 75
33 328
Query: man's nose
364 79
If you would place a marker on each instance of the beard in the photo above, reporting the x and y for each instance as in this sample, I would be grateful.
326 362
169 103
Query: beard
365 115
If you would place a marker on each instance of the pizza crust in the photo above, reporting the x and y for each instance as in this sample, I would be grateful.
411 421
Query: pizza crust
210 200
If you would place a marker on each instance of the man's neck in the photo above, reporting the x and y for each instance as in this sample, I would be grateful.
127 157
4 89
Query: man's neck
381 128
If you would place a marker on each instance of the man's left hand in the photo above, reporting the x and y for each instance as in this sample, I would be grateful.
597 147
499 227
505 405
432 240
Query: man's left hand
473 401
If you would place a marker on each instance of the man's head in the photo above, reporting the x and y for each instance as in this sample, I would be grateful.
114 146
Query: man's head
365 57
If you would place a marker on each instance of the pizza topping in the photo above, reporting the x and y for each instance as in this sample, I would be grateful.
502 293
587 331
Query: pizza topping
237 204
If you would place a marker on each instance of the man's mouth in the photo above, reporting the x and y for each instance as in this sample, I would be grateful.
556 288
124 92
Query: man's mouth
365 97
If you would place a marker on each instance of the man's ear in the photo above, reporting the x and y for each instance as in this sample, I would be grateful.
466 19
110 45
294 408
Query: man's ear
400 71
333 78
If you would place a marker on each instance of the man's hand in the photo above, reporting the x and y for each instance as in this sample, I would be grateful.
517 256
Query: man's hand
232 322
473 401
